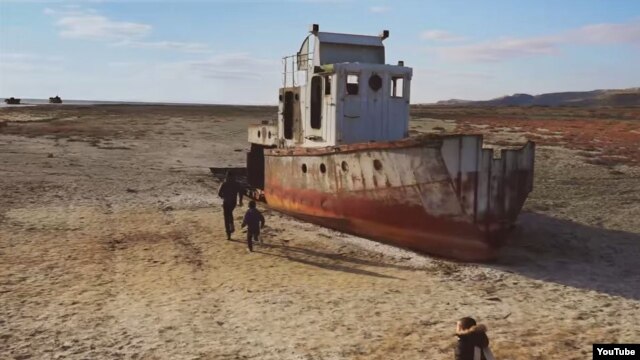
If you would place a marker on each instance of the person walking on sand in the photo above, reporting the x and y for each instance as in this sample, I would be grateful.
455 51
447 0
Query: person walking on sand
229 191
473 343
253 220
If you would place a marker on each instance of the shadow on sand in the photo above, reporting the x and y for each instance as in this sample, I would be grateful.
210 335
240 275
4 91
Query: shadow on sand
542 247
328 261
575 255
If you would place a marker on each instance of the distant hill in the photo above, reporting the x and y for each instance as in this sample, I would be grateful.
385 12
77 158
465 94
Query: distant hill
453 102
620 97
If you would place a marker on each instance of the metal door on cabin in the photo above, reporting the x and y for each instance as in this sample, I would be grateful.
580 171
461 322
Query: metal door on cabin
328 109
352 124
318 127
363 108
374 114
292 127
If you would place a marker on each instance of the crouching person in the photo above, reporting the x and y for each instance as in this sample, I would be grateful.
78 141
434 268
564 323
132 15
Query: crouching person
473 343
253 220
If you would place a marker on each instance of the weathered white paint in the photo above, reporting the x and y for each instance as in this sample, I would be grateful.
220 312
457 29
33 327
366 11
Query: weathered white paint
263 134
370 115
488 187
333 48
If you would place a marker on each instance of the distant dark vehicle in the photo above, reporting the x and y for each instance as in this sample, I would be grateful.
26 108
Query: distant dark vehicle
55 100
12 101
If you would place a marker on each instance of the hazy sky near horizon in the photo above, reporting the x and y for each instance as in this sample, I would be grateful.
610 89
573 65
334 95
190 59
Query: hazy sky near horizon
230 51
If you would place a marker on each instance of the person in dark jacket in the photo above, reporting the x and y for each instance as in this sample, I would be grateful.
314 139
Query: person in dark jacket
229 191
253 220
471 336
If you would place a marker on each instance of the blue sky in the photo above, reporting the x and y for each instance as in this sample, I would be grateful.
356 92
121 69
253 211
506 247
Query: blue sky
230 51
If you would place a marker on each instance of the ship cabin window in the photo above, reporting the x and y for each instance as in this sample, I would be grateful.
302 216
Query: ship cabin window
352 84
327 85
375 82
316 102
397 86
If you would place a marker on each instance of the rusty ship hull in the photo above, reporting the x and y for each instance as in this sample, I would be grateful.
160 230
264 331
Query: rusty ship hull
440 195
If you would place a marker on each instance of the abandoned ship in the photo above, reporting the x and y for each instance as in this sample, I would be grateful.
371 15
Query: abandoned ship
339 155
55 100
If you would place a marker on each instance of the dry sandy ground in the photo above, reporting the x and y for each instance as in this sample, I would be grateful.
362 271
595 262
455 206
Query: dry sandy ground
112 246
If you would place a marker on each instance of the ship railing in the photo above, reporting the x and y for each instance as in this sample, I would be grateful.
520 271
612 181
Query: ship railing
295 69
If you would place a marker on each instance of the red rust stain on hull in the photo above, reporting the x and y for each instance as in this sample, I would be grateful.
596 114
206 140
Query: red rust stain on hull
389 221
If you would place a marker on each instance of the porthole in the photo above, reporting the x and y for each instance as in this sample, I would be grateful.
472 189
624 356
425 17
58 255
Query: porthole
259 133
377 164
323 168
280 97
304 168
269 134
345 166
375 82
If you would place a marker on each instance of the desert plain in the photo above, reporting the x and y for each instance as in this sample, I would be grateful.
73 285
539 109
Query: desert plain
112 245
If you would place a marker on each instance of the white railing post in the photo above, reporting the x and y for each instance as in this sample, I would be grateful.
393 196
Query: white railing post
284 82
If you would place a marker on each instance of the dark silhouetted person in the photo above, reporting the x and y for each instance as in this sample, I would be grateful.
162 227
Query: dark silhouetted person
253 220
229 191
473 343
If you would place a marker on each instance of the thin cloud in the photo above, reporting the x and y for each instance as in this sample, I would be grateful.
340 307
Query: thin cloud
628 33
190 47
17 57
439 73
69 10
233 66
440 35
498 50
28 68
127 64
78 23
11 56
470 75
510 48
96 27
379 9
29 62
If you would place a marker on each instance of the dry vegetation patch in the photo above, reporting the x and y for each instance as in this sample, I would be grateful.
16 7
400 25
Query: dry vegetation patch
611 134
